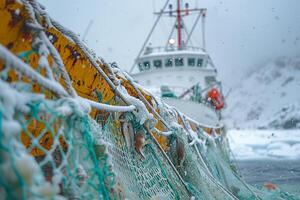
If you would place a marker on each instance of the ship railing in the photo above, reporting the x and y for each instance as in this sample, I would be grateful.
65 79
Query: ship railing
149 50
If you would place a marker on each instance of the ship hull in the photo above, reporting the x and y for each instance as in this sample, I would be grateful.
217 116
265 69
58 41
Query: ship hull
199 112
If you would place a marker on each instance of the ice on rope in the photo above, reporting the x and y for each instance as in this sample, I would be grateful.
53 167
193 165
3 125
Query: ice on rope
141 111
52 148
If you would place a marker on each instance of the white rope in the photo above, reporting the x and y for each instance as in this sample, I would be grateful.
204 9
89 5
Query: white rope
12 61
196 139
41 9
141 110
55 55
108 108
202 125
16 63
164 133
85 50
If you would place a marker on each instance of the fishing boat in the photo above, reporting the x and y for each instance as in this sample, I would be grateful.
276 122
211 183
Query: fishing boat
179 72
74 127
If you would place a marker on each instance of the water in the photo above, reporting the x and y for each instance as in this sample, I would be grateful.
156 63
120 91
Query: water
268 156
283 173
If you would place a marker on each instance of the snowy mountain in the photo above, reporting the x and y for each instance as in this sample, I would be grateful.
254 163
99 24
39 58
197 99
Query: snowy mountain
267 97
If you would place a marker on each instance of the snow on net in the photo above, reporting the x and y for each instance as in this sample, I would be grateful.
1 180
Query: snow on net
51 148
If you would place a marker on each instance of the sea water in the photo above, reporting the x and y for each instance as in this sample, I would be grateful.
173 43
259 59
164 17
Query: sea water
268 156
283 173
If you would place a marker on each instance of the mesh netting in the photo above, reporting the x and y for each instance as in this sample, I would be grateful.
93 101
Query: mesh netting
65 161
55 150
53 145
143 178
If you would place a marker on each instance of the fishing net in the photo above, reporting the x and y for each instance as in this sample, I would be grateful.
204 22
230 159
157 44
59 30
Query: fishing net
76 157
216 156
58 157
54 145
144 178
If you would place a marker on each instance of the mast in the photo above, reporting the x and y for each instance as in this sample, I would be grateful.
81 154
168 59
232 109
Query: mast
178 13
179 24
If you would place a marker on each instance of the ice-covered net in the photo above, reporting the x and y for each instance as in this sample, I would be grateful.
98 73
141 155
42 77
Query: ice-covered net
53 146
59 156
141 178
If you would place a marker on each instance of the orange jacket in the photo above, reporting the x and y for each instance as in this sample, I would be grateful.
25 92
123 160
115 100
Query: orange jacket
216 98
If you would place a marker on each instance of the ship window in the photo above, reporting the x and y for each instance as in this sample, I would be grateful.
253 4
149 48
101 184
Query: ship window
157 63
191 62
146 65
178 62
140 67
169 62
199 62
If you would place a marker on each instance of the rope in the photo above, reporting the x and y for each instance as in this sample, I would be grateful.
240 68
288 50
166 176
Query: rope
54 53
129 100
212 178
13 61
169 160
84 161
108 108
141 96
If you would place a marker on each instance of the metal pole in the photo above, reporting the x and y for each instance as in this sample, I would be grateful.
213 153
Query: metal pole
203 30
173 28
87 29
193 28
186 31
179 24
149 35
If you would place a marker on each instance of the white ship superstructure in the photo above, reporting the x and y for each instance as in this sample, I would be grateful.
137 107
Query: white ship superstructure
181 74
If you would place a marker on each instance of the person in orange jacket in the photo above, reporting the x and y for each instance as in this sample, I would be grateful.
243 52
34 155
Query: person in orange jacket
215 98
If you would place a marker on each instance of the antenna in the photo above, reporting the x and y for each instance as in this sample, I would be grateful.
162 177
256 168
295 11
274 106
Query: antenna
202 14
178 13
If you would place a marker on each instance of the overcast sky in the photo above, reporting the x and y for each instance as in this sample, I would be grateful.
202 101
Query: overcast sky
240 33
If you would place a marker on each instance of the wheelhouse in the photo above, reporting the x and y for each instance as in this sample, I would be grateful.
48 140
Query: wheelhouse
169 60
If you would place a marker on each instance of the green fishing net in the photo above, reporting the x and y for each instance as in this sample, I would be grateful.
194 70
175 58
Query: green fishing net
77 157
70 167
51 148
